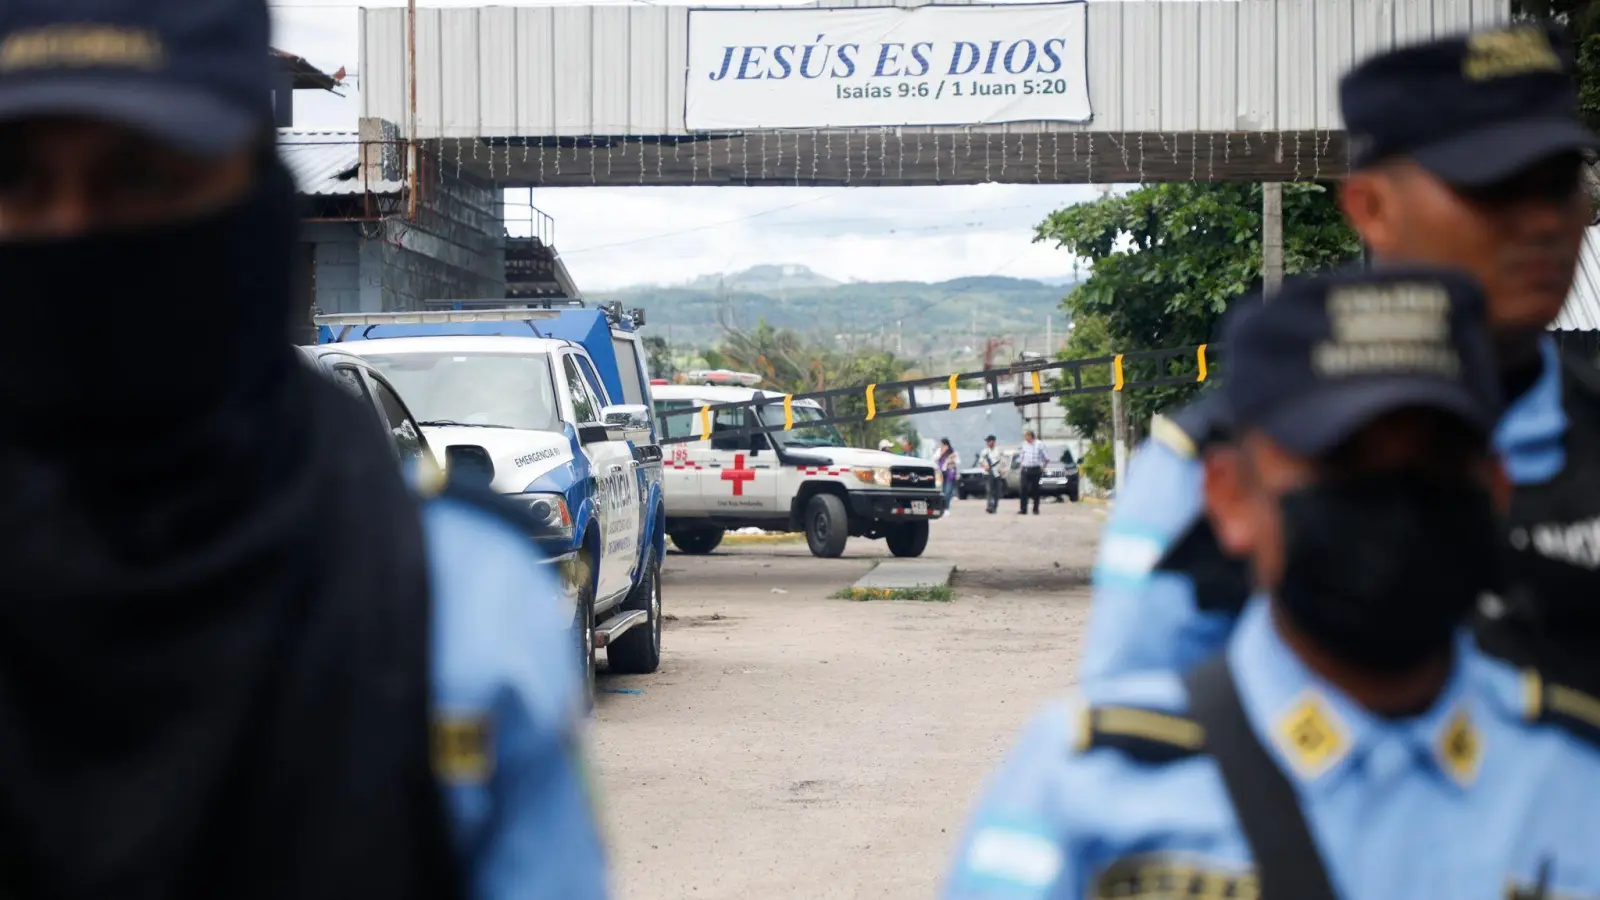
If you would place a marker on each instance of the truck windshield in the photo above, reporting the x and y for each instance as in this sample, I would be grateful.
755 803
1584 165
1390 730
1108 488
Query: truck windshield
804 435
491 390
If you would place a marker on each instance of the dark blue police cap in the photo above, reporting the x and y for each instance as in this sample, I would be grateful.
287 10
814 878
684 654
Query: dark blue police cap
1473 109
194 74
1331 354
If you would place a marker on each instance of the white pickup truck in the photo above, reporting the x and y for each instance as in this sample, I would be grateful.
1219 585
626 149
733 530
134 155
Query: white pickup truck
549 409
804 479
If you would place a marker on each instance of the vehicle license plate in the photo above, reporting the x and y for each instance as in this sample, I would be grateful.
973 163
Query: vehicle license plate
919 507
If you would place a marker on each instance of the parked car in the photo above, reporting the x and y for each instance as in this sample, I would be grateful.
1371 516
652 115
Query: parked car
972 482
1058 480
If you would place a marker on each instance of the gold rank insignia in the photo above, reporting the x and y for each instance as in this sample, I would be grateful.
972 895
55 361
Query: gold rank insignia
1312 735
1460 748
1161 876
81 46
463 749
1507 52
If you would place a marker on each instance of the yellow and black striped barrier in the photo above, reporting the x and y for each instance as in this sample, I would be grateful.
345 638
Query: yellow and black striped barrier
1067 380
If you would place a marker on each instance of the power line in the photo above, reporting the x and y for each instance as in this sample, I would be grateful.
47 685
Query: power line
667 234
887 230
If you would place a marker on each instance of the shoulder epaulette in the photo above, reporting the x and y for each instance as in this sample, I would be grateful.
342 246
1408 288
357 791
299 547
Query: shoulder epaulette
1142 734
1170 434
1562 706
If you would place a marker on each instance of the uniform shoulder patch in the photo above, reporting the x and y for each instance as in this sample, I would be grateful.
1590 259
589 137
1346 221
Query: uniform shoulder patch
463 749
1144 735
1562 706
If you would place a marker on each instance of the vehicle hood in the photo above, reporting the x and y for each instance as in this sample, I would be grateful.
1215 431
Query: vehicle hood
520 457
850 456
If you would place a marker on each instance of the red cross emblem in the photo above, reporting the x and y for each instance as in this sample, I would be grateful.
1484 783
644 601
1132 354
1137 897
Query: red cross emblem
738 475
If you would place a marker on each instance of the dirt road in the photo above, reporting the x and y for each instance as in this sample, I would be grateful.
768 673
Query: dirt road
798 746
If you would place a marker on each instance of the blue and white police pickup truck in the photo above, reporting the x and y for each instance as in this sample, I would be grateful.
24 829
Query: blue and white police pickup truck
551 407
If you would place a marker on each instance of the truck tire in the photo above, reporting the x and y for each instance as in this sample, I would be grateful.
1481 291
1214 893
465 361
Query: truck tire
827 526
698 542
961 493
638 650
583 622
907 538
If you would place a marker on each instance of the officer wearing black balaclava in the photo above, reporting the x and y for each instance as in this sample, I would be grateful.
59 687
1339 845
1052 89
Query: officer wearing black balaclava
239 657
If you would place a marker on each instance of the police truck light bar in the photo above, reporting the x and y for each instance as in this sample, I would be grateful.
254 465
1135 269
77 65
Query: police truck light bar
720 378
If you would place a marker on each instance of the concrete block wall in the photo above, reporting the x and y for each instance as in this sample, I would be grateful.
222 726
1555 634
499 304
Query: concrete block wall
338 266
455 249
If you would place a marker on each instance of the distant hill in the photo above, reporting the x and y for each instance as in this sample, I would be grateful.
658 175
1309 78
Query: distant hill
765 278
929 316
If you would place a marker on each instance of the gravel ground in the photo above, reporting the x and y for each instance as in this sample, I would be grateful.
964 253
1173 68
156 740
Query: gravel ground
798 746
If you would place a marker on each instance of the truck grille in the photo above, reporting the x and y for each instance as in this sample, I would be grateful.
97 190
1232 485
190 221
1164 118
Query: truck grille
912 477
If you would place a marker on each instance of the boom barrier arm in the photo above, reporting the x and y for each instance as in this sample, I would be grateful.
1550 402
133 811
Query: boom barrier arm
1199 357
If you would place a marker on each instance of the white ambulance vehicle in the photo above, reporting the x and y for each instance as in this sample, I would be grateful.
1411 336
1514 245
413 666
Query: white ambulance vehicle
804 479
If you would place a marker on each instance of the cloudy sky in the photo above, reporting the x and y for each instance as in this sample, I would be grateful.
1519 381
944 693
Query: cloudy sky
610 237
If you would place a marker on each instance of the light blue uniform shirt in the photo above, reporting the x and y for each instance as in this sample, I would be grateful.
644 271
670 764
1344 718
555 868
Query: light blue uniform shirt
1143 619
504 655
1462 802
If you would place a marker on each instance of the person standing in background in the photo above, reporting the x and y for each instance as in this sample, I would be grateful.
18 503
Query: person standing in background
993 464
949 463
1032 460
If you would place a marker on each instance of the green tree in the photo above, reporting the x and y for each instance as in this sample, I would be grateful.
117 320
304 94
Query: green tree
790 363
1089 414
1168 258
659 357
1582 20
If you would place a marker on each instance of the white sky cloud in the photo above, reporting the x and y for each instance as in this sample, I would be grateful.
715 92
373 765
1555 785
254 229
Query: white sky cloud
610 237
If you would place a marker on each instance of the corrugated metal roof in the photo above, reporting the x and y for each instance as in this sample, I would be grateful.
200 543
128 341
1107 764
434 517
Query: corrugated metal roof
1263 65
328 163
1582 312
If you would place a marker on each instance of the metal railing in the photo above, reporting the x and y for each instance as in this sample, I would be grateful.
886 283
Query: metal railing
1066 379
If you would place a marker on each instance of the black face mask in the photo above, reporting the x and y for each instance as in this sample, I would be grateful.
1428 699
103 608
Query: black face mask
130 335
1382 569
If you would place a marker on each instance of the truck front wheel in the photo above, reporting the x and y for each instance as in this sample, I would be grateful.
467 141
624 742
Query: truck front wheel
827 526
638 650
583 625
698 542
907 538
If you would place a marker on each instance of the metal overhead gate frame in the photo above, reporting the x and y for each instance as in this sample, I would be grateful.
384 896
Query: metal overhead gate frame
1070 378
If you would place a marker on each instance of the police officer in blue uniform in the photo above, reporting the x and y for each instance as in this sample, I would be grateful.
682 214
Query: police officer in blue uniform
1466 152
1165 595
1350 741
239 657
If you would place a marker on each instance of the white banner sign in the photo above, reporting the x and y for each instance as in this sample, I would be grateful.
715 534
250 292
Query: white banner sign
932 65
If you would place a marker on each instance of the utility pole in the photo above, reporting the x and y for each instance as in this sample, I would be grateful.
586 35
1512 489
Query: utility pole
1119 441
411 129
1271 238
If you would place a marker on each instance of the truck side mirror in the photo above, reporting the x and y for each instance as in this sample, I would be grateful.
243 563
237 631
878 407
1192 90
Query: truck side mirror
627 422
469 464
758 443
